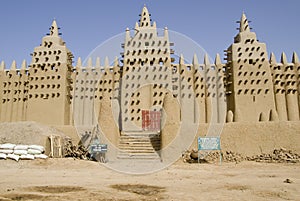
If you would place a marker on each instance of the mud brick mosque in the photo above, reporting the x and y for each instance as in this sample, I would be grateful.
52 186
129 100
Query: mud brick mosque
148 96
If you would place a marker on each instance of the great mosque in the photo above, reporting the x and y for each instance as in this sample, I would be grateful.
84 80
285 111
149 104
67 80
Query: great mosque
145 96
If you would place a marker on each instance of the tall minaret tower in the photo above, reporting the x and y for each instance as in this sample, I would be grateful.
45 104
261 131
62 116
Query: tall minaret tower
50 80
146 63
145 47
249 88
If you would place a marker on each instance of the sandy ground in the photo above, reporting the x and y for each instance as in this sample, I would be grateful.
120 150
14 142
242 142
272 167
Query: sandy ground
69 179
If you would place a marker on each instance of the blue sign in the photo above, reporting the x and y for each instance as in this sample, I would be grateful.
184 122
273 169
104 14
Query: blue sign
98 148
209 143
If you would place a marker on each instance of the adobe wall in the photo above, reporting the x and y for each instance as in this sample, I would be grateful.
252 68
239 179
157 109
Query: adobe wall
71 131
245 138
14 92
96 91
255 138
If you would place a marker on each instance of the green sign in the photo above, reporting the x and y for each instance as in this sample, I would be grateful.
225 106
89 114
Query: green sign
209 143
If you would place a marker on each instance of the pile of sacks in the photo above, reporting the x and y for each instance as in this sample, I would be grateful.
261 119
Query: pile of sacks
25 152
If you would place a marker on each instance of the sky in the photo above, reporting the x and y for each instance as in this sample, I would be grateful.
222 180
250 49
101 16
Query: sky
86 24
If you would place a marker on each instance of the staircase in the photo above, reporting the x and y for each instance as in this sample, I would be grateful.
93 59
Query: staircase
139 145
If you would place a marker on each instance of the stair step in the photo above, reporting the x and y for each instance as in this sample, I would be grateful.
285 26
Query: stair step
139 139
137 145
140 136
139 158
137 152
134 156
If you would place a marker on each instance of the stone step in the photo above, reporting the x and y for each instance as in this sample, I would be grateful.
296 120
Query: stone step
136 152
139 145
140 132
139 138
138 156
138 142
137 148
121 147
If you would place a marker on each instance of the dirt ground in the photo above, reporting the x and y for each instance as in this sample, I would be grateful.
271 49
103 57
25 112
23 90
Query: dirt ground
69 179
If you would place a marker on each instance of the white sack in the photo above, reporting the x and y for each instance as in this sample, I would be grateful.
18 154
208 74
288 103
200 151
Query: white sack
21 147
7 146
27 157
20 152
6 151
13 156
42 156
37 147
33 151
2 156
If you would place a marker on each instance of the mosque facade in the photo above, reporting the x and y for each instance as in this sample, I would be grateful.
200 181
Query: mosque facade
147 94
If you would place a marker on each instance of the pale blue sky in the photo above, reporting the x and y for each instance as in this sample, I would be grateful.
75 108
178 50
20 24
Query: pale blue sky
86 24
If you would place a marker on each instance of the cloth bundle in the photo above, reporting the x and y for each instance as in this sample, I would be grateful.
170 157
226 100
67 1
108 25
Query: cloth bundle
24 152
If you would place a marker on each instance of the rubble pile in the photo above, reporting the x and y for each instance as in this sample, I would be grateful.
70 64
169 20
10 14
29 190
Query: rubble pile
277 156
189 156
75 151
227 156
211 156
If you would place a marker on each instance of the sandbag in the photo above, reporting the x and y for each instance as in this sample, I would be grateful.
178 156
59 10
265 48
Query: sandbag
34 151
6 151
27 157
25 152
21 147
37 147
13 156
20 152
2 156
7 146
41 156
